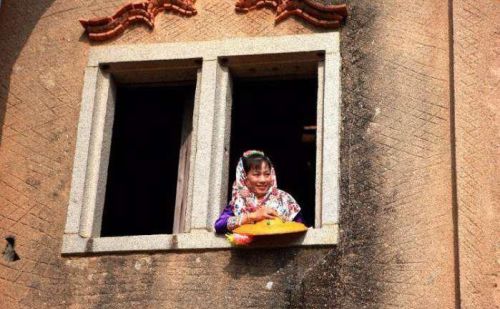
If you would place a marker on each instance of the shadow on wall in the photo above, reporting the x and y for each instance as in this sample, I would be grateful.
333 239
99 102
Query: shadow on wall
284 272
258 263
14 32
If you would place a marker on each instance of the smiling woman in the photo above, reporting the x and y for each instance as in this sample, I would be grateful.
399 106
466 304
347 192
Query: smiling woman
258 173
255 196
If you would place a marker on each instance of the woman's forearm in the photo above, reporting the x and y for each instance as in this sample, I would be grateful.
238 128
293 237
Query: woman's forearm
227 221
237 221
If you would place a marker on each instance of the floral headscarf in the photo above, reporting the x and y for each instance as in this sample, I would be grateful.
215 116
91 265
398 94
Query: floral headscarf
245 201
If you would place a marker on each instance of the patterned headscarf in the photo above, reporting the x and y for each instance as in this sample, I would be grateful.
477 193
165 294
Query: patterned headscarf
245 201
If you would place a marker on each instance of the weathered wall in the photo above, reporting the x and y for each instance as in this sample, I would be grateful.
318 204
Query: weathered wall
477 76
397 247
397 212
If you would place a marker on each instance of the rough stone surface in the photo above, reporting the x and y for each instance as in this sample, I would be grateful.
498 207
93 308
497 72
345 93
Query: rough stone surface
397 243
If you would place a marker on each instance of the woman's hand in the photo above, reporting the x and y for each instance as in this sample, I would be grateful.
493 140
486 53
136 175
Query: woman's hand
262 213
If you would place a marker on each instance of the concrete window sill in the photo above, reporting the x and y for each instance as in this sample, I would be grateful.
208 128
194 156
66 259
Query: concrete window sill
196 240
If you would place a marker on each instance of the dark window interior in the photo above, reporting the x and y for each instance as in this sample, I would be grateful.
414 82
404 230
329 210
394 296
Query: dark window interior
279 117
144 159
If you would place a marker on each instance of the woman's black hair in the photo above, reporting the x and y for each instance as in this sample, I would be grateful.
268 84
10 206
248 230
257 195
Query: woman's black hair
254 161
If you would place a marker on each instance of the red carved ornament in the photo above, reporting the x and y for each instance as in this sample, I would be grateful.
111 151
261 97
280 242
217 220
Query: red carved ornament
320 15
100 29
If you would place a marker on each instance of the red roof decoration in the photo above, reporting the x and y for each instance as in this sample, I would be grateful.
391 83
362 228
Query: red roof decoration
320 15
100 29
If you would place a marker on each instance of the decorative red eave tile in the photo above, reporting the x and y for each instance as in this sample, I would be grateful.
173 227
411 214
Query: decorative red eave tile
320 15
101 29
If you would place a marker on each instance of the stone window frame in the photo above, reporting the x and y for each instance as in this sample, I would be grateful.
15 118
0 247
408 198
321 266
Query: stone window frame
210 142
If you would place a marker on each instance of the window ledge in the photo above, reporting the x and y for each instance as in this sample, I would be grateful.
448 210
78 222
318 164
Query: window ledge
196 240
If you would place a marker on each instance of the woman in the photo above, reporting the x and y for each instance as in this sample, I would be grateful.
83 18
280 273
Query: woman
255 195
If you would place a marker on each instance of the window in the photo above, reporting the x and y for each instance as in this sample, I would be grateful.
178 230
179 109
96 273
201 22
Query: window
145 180
162 125
278 115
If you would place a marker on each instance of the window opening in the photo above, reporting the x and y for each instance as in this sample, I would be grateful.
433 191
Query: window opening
147 166
184 219
278 115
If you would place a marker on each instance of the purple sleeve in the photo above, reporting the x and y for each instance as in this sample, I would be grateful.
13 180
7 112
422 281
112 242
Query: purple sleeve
221 223
299 217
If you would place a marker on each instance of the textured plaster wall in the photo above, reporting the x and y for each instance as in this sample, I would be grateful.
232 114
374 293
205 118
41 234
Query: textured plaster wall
477 76
397 241
397 248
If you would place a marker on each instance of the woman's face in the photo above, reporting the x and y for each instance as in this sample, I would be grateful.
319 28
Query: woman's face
259 179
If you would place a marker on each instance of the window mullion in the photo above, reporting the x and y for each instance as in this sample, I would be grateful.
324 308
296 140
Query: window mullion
200 211
220 159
